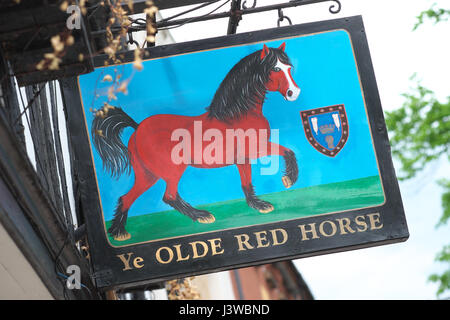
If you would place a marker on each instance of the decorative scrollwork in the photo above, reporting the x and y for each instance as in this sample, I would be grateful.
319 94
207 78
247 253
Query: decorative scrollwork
252 6
335 8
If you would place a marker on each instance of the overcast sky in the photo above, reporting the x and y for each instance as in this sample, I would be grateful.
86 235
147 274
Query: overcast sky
398 271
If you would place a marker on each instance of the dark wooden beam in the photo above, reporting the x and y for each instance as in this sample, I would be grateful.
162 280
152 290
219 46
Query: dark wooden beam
37 228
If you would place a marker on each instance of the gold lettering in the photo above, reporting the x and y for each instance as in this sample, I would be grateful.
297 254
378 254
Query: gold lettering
275 238
137 262
158 255
126 261
179 254
374 220
345 224
312 230
194 249
333 228
215 246
260 238
361 223
243 241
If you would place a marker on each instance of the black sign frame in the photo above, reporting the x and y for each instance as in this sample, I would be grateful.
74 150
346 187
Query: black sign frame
119 267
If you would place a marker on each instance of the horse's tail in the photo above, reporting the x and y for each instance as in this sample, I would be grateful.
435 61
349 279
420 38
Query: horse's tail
107 128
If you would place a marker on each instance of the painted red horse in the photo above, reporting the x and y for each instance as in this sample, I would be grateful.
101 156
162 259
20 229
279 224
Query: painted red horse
237 105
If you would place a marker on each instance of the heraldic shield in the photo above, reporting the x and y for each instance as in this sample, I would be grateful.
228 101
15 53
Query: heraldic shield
326 128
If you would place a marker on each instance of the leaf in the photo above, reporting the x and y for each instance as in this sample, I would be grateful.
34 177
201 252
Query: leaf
99 133
64 5
107 78
137 64
57 44
123 87
111 95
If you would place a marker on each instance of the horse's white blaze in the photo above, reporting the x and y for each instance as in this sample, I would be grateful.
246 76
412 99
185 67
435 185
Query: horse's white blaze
294 90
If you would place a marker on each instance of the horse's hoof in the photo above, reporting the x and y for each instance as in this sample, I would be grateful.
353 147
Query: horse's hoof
269 208
122 237
206 219
287 182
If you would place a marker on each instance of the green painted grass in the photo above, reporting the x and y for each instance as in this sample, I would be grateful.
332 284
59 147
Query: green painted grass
289 204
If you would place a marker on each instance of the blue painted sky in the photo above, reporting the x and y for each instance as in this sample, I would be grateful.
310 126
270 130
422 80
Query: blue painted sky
324 69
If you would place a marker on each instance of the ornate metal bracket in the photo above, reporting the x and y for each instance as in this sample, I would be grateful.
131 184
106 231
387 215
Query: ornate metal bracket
281 17
235 13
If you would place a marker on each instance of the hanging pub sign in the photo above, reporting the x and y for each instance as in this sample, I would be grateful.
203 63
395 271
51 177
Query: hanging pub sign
233 151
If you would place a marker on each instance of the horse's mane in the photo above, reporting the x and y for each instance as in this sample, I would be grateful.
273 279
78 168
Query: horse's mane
245 85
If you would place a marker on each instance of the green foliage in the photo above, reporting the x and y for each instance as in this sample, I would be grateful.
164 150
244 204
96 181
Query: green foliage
444 278
445 183
444 255
437 15
420 133
420 130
